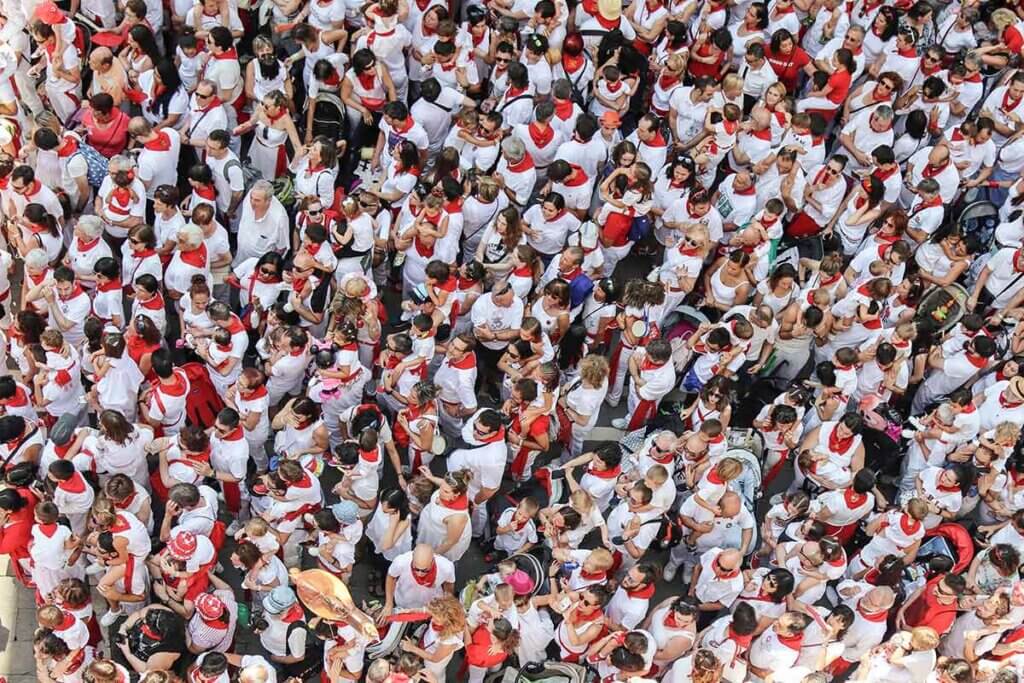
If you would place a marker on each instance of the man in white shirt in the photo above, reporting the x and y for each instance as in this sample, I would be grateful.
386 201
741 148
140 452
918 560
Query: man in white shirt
224 70
264 222
757 75
863 134
1005 106
687 108
417 577
456 378
515 174
158 159
931 162
717 580
631 601
227 176
496 318
485 457
434 111
206 113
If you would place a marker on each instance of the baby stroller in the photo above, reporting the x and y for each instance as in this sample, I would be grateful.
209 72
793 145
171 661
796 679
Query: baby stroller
948 540
544 672
679 326
329 116
527 562
397 627
941 308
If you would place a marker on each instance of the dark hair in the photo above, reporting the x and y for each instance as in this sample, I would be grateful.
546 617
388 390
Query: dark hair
172 82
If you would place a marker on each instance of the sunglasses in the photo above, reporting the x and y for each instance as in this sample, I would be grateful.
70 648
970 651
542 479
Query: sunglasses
203 95
268 271
314 212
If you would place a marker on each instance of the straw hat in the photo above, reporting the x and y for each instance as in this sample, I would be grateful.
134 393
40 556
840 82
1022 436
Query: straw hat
1016 389
610 9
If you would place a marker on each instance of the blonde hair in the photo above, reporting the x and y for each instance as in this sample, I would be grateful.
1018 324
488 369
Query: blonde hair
1006 431
917 508
729 468
594 369
733 80
257 526
602 558
448 612
924 638
675 63
581 501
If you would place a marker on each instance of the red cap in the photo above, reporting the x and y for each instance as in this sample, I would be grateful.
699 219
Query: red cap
209 606
182 546
49 13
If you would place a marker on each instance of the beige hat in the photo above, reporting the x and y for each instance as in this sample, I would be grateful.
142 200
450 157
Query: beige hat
1016 388
610 9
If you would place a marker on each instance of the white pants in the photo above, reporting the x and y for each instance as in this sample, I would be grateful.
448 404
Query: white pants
612 256
333 409
619 380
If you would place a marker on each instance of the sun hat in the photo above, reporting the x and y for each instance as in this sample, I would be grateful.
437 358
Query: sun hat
346 512
279 599
521 582
182 545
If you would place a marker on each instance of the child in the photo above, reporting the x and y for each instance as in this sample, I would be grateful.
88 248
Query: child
722 127
486 584
52 551
200 179
756 239
188 60
258 532
702 506
72 595
499 604
611 92
792 507
517 531
122 201
717 354
360 465
339 530
422 334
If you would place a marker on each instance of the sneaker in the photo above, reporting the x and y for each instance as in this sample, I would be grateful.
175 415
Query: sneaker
620 423
110 617
313 552
611 404
669 572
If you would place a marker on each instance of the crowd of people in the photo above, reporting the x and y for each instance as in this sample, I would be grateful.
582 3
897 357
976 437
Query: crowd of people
315 316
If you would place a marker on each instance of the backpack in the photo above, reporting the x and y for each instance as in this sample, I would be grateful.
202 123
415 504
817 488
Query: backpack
250 174
98 165
203 400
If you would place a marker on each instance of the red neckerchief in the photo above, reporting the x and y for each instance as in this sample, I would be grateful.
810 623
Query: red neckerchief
581 617
206 192
125 502
875 617
493 438
930 171
721 573
68 147
976 361
883 174
237 434
541 138
664 459
227 54
47 530
19 399
160 143
792 642
75 292
84 246
155 303
258 392
745 193
295 613
427 579
424 250
947 488
195 258
214 103
1008 103
406 125
593 576
607 24
372 455
564 108
909 525
466 363
908 52
174 385
575 272
779 11
853 499
765 134
838 445
460 503
645 593
577 176
110 286
613 473
667 80
649 364
367 80
742 642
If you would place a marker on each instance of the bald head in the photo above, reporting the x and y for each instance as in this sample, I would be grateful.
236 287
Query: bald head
730 559
938 155
878 599
422 557
730 504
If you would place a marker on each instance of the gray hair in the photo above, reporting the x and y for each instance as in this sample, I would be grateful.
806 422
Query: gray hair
91 225
192 234
37 259
264 186
857 28
120 162
513 148
884 112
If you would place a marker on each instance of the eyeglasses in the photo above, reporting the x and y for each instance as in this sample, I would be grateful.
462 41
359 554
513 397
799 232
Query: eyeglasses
268 271
203 95
833 171
502 60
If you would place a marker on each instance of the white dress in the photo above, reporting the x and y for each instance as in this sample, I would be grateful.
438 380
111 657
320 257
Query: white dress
433 531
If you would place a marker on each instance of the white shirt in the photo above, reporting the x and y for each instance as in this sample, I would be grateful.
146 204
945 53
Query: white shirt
497 318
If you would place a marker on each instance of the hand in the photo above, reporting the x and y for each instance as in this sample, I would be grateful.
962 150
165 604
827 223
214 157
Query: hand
385 612
203 469
173 509
408 645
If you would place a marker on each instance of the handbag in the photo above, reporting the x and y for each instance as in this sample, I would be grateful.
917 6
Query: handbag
639 228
